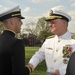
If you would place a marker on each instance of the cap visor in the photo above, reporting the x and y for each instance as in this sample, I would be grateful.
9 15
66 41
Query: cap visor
50 19
22 17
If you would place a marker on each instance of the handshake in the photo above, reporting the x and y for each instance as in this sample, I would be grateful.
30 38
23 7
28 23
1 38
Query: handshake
29 68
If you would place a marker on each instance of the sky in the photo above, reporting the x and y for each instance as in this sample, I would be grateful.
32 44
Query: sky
32 10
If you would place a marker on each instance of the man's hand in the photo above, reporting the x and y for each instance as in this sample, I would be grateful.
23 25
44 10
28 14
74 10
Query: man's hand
31 66
56 72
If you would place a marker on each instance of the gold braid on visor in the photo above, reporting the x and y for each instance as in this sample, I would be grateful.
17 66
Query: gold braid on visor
54 17
15 14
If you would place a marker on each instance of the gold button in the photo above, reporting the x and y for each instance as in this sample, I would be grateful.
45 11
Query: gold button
58 40
56 50
54 60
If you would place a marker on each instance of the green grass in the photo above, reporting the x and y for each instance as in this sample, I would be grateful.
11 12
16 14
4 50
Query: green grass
41 68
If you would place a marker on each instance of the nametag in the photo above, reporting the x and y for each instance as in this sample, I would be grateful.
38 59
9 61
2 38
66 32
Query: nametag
49 48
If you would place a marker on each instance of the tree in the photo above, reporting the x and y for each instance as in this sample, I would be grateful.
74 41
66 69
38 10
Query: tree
44 34
30 28
43 29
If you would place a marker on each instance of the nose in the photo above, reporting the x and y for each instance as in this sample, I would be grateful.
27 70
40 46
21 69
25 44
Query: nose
21 22
50 25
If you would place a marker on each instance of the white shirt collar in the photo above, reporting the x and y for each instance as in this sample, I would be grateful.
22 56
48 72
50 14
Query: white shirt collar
67 35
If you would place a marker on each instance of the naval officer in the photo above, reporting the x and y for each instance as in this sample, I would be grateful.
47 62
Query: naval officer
12 55
55 51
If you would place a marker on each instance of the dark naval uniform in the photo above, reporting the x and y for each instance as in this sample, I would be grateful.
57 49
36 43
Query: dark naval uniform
12 55
71 65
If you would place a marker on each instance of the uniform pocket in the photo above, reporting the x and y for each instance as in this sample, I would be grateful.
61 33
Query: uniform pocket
49 51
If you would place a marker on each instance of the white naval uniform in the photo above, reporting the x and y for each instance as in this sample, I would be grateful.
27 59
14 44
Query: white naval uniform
52 52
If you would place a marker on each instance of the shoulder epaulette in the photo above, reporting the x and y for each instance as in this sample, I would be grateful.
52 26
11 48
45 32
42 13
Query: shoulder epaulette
52 36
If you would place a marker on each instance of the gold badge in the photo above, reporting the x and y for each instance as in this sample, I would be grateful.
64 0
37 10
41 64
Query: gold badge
65 61
51 12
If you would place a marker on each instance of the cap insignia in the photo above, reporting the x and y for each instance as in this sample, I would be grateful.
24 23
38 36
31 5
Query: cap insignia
51 12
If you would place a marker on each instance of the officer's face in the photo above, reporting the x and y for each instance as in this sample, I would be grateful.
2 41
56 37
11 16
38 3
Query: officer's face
58 26
17 24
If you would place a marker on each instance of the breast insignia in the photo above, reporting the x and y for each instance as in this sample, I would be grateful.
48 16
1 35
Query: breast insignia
65 61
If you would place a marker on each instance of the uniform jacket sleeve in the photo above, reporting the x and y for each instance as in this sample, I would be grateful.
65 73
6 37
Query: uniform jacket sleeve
38 57
18 59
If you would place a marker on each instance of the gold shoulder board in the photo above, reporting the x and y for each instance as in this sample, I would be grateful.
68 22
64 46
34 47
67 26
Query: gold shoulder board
52 36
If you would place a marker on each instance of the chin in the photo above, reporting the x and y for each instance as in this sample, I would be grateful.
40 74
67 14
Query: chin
52 31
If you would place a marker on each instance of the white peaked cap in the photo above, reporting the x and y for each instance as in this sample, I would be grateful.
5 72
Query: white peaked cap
58 14
14 12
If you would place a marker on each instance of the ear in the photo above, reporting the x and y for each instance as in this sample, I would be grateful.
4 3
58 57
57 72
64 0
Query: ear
11 21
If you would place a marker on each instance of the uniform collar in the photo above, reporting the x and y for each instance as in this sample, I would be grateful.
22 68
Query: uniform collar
9 32
67 35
